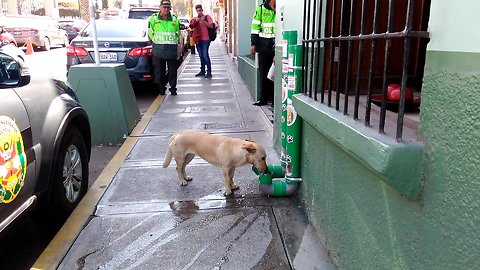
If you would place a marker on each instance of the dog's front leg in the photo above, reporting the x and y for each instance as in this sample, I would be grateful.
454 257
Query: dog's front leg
228 180
226 176
233 186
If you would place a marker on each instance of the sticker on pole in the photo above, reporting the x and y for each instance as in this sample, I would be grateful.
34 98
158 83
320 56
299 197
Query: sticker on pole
284 90
285 67
292 83
12 160
291 114
284 48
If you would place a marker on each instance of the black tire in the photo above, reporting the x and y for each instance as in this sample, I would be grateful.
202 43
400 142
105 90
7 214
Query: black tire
66 42
70 182
46 44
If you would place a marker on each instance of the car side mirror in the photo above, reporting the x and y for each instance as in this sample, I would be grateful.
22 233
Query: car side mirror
13 72
24 78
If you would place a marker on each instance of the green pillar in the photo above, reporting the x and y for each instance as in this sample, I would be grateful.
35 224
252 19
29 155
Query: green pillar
289 38
293 121
106 94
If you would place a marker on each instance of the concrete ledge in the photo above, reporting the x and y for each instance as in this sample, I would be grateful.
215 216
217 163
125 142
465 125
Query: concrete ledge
398 164
248 71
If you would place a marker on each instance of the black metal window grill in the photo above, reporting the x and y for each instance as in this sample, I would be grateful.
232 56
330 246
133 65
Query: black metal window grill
354 49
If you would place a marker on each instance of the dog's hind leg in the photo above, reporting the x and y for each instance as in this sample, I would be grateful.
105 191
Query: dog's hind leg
180 170
188 159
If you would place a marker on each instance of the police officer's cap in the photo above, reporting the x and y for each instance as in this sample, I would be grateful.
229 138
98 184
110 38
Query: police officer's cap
165 3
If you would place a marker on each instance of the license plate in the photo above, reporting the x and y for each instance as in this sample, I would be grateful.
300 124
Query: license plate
108 56
17 33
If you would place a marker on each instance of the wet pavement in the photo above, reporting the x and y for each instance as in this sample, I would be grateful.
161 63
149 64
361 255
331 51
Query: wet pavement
141 218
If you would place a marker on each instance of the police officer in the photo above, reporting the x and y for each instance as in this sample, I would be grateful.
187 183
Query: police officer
263 41
164 32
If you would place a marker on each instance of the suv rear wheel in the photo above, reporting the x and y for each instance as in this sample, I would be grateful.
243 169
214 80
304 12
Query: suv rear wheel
46 44
70 172
66 41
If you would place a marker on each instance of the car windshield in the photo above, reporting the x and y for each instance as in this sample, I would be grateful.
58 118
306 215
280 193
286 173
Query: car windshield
29 23
140 14
116 28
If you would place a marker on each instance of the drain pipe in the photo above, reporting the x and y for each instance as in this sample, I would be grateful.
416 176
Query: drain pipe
294 122
271 183
289 38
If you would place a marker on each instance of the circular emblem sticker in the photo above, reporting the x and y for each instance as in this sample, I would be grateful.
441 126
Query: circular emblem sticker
291 114
12 160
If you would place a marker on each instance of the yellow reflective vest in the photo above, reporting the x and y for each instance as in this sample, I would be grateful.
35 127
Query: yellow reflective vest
263 28
164 35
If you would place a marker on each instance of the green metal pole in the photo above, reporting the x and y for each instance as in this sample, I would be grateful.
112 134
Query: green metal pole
293 121
289 38
270 183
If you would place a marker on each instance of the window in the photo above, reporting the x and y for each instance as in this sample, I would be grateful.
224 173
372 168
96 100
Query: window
354 50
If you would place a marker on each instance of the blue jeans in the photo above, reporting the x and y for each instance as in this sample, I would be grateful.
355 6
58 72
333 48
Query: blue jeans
202 48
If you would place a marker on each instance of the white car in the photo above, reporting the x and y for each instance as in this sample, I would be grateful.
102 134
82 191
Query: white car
19 56
12 50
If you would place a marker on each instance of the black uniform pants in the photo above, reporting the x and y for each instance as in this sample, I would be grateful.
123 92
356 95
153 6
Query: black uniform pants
164 75
265 60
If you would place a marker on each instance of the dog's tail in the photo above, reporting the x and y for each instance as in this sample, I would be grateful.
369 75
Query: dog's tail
168 155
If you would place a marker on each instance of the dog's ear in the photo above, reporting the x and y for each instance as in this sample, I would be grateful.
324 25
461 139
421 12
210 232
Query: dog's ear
250 147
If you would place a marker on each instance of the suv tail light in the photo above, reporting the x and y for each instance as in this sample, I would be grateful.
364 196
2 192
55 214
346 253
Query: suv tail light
76 51
142 51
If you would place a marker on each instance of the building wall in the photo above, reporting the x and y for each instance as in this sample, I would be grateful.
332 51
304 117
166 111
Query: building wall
368 224
462 32
245 13
292 14
10 7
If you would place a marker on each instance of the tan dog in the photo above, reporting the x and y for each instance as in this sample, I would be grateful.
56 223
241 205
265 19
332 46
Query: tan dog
225 152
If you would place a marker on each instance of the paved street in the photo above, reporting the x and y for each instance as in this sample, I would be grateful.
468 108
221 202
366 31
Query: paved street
52 63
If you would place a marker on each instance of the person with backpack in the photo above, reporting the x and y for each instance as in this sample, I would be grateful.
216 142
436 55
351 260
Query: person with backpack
202 25
262 40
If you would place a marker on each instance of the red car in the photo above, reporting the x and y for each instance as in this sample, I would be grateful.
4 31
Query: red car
7 38
42 32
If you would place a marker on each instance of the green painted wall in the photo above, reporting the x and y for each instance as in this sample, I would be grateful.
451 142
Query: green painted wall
248 72
245 14
451 130
369 225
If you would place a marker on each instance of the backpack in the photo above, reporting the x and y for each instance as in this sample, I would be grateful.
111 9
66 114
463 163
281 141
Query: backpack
212 32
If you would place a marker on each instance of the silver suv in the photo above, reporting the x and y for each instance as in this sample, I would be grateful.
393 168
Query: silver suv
44 145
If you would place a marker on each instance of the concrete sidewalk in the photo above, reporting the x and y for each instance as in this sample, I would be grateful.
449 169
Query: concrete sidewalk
137 216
